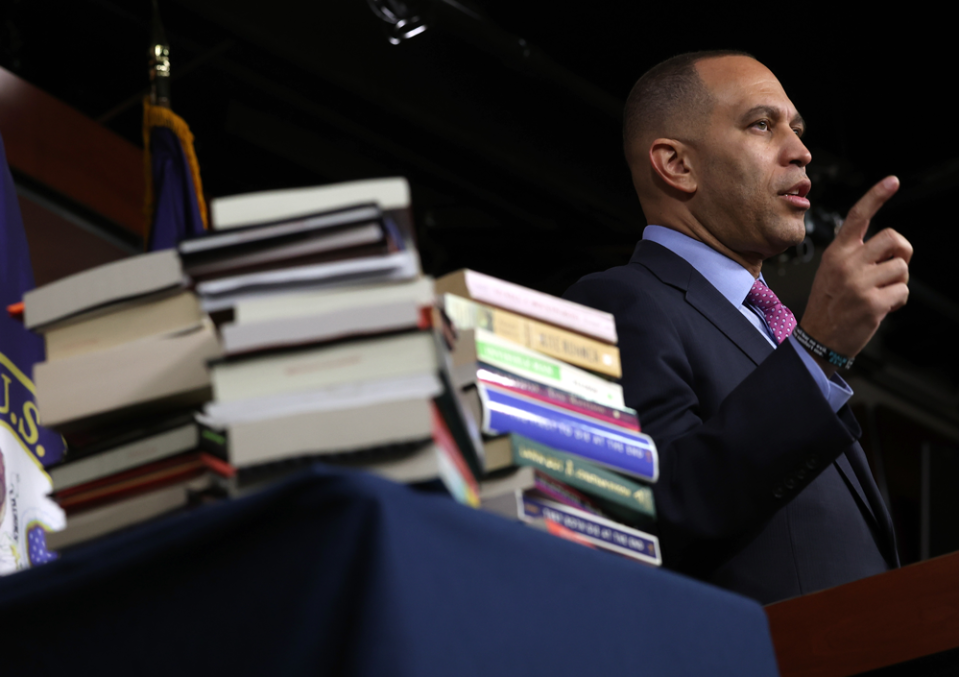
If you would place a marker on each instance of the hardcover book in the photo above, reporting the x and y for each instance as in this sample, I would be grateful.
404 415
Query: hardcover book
324 301
149 448
315 367
140 480
340 244
224 292
311 329
95 522
110 283
335 425
153 317
124 382
261 234
237 211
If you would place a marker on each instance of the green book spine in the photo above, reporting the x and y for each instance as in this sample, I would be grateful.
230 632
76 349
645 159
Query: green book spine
583 475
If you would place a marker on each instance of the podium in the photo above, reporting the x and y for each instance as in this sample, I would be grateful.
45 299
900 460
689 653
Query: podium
904 622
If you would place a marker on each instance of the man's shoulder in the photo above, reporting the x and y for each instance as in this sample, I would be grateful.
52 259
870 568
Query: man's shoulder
640 280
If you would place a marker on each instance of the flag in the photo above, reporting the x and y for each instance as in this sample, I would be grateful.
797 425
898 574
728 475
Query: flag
26 513
175 209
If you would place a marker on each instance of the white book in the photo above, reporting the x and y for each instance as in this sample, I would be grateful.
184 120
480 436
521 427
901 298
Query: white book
279 205
272 254
162 315
224 292
293 331
158 372
554 310
340 430
351 394
268 232
319 302
311 369
110 283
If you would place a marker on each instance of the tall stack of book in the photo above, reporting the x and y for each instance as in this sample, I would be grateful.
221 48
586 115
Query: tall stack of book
562 451
127 347
328 345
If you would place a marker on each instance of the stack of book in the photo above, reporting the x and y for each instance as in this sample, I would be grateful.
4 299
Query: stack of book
127 347
328 346
562 451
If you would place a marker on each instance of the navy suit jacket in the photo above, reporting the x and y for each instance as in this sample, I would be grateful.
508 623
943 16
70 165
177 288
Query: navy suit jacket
763 489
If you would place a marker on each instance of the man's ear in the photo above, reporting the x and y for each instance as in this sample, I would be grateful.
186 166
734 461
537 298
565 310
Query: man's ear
671 162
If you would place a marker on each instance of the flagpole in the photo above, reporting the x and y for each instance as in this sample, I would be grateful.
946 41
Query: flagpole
159 63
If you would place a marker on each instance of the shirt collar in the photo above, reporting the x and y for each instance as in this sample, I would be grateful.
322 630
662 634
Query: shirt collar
730 279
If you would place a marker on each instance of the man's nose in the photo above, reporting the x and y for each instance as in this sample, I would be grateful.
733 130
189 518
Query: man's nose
796 152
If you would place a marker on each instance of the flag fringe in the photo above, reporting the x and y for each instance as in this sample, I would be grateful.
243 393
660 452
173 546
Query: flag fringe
158 116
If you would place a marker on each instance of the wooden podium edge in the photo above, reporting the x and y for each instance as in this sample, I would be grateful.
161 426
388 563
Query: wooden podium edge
869 624
59 147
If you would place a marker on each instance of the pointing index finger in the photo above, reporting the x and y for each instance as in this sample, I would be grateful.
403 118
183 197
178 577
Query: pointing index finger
857 221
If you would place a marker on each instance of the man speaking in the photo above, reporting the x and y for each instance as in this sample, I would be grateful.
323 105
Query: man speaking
764 489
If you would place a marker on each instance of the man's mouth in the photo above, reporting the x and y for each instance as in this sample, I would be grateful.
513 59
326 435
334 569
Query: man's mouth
796 194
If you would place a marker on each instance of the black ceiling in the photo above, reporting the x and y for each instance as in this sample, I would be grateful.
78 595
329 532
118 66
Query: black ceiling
505 115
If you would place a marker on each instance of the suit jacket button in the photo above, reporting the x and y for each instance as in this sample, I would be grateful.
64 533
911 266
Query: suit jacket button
790 483
800 474
779 492
811 462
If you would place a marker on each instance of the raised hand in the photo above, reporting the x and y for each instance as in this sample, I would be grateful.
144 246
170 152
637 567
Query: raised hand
858 283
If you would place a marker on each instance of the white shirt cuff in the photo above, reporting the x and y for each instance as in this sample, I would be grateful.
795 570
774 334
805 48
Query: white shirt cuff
836 391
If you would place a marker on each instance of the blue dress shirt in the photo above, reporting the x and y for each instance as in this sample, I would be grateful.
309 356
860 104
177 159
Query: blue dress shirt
734 282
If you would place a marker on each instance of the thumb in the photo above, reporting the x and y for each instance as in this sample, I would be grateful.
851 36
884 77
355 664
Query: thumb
857 221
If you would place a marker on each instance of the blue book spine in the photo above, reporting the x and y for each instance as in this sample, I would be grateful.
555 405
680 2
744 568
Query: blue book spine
602 533
625 451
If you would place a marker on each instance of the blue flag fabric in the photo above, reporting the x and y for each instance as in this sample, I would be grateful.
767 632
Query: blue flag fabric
177 212
19 349
26 513
175 209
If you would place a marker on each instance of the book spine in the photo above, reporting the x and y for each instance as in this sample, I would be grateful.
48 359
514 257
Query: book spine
558 343
553 489
454 473
621 450
602 533
542 306
538 367
624 418
583 475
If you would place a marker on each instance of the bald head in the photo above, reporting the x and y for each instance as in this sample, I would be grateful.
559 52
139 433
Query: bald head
669 100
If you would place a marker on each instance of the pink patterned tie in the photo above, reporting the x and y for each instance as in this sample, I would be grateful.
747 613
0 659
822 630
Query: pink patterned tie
779 318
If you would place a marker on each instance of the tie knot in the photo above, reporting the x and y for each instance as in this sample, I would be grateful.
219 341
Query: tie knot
778 317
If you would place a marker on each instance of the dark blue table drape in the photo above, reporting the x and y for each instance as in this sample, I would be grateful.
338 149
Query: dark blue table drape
337 572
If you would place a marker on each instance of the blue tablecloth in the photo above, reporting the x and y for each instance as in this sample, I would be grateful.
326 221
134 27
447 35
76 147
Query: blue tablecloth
338 572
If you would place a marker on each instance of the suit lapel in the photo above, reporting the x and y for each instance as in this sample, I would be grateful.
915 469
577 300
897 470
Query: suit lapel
852 479
704 297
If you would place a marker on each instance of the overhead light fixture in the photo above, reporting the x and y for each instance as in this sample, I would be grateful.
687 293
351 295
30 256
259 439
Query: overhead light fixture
404 20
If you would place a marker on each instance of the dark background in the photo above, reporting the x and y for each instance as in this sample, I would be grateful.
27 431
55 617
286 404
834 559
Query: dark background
505 116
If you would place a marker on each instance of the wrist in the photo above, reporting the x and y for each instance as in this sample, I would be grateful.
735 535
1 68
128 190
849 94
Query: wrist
828 359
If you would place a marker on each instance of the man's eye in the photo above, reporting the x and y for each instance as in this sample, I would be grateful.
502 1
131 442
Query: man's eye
762 125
